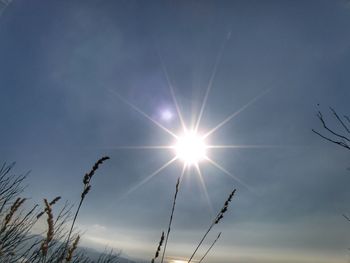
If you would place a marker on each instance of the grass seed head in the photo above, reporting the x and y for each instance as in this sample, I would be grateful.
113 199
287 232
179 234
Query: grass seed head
15 206
50 229
72 249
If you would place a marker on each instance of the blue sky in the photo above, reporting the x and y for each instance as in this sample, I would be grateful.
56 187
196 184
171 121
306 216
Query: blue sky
63 61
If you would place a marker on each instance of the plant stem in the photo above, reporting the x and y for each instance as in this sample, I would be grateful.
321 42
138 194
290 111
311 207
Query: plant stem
200 242
71 228
206 253
171 218
217 219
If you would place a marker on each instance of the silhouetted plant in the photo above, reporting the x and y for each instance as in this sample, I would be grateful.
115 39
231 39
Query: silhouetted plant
108 257
208 250
171 218
72 249
217 219
158 248
54 201
86 188
341 137
19 245
15 223
50 230
57 244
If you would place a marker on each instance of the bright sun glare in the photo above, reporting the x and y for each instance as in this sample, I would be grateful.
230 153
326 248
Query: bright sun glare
190 148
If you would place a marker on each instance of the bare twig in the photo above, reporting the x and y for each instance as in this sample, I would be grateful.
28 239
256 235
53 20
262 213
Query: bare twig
341 143
339 119
320 116
346 217
335 136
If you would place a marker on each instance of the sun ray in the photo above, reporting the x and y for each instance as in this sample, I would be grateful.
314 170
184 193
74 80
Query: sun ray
149 177
140 147
204 188
210 84
234 146
228 173
227 119
171 88
143 113
190 146
184 167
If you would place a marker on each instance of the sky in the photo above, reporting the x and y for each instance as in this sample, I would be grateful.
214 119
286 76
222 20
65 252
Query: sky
70 71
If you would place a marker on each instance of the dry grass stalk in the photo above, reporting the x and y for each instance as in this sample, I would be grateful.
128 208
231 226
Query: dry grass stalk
89 175
87 186
17 244
50 229
217 219
72 249
54 201
206 253
158 248
19 201
171 218
15 206
225 207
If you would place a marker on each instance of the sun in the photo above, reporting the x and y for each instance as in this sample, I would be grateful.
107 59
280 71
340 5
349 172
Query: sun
190 148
